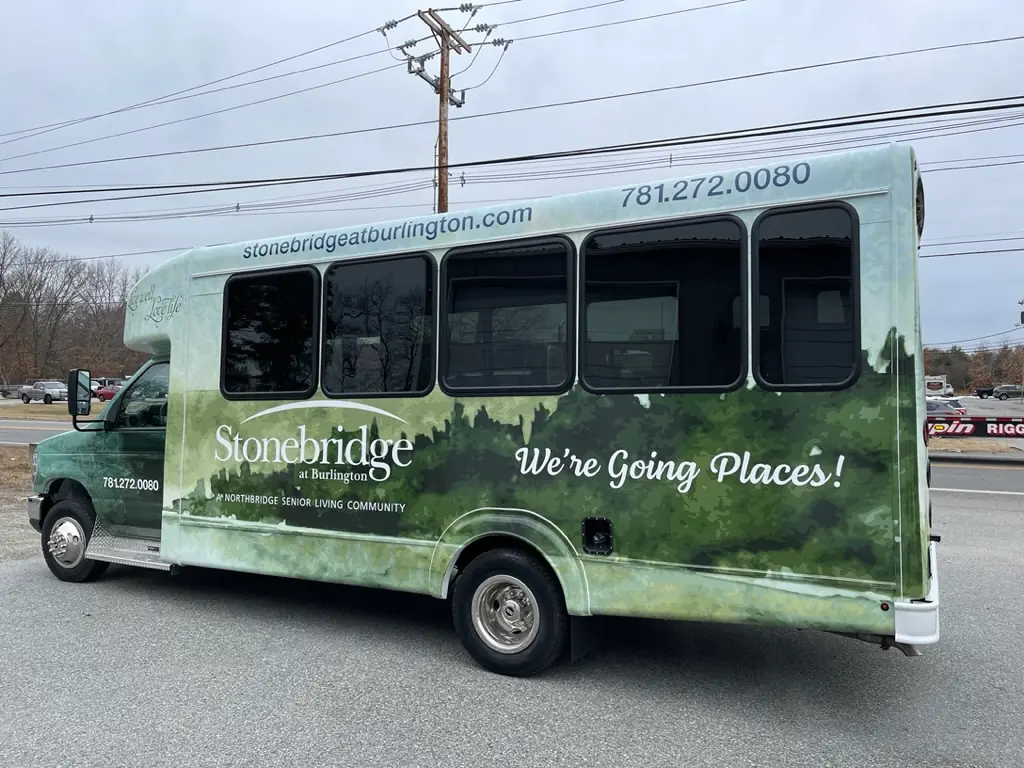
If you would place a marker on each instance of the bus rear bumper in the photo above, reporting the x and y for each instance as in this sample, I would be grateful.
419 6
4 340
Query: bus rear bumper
917 621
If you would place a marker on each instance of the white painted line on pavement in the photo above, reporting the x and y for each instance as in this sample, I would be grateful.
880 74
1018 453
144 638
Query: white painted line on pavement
971 490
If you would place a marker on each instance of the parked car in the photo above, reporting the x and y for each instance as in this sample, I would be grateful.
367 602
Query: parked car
47 391
953 403
107 392
937 407
1006 391
984 392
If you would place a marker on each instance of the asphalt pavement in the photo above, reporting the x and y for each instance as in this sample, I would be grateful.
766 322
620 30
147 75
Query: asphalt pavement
990 406
220 669
988 479
18 432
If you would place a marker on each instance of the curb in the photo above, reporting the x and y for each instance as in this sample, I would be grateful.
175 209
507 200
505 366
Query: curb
951 457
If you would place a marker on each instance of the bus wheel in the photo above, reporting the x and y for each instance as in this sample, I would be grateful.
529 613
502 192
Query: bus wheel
510 613
65 534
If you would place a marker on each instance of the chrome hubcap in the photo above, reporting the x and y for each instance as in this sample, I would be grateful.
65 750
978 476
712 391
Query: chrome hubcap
505 614
67 542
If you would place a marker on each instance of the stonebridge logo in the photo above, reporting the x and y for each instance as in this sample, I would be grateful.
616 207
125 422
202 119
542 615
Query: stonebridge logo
353 457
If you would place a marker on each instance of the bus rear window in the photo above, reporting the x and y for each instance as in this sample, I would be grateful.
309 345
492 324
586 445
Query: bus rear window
805 266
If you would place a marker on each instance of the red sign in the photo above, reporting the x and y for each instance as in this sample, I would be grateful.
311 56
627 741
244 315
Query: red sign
975 426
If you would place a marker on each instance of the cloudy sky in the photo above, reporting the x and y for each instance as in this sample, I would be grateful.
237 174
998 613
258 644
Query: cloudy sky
100 57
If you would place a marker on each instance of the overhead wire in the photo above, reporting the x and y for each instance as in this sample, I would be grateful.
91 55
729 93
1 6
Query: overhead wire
896 115
974 338
190 118
305 200
171 96
187 93
330 83
520 110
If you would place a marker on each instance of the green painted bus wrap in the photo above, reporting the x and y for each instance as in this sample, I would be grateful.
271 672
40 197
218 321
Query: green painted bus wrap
802 507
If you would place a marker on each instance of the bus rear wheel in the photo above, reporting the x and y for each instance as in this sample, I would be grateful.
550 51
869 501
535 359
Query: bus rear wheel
510 613
65 535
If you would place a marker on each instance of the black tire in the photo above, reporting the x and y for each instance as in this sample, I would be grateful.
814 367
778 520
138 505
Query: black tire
80 512
552 629
47 399
1004 396
26 399
101 398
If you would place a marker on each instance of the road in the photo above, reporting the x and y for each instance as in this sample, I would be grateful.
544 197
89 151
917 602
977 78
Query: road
993 479
991 407
18 432
219 669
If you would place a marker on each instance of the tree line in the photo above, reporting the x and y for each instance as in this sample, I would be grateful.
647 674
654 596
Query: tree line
978 368
58 313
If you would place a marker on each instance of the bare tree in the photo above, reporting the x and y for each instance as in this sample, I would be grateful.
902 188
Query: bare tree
13 309
51 288
57 312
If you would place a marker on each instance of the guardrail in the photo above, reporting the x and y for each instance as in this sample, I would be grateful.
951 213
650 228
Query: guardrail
975 426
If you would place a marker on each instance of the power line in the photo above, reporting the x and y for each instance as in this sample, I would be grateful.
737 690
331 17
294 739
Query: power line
172 96
190 118
974 338
839 138
293 202
529 108
971 242
896 115
560 13
972 253
188 93
630 21
330 83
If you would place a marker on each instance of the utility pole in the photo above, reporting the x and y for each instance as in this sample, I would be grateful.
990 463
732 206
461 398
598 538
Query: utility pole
1021 303
448 40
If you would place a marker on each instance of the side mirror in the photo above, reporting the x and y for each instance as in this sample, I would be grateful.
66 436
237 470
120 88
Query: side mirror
79 392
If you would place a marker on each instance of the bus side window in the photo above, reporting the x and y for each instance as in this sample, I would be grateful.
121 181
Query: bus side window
805 262
379 327
508 319
271 328
661 308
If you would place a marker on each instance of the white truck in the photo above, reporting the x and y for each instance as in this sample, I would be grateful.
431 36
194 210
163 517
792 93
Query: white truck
47 391
937 386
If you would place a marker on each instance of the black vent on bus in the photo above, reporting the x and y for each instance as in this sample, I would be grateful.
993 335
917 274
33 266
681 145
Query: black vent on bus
597 535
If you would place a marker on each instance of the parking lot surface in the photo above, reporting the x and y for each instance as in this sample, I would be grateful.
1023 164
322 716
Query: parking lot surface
219 669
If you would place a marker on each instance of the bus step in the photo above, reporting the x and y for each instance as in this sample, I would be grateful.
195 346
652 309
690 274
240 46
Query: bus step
124 550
